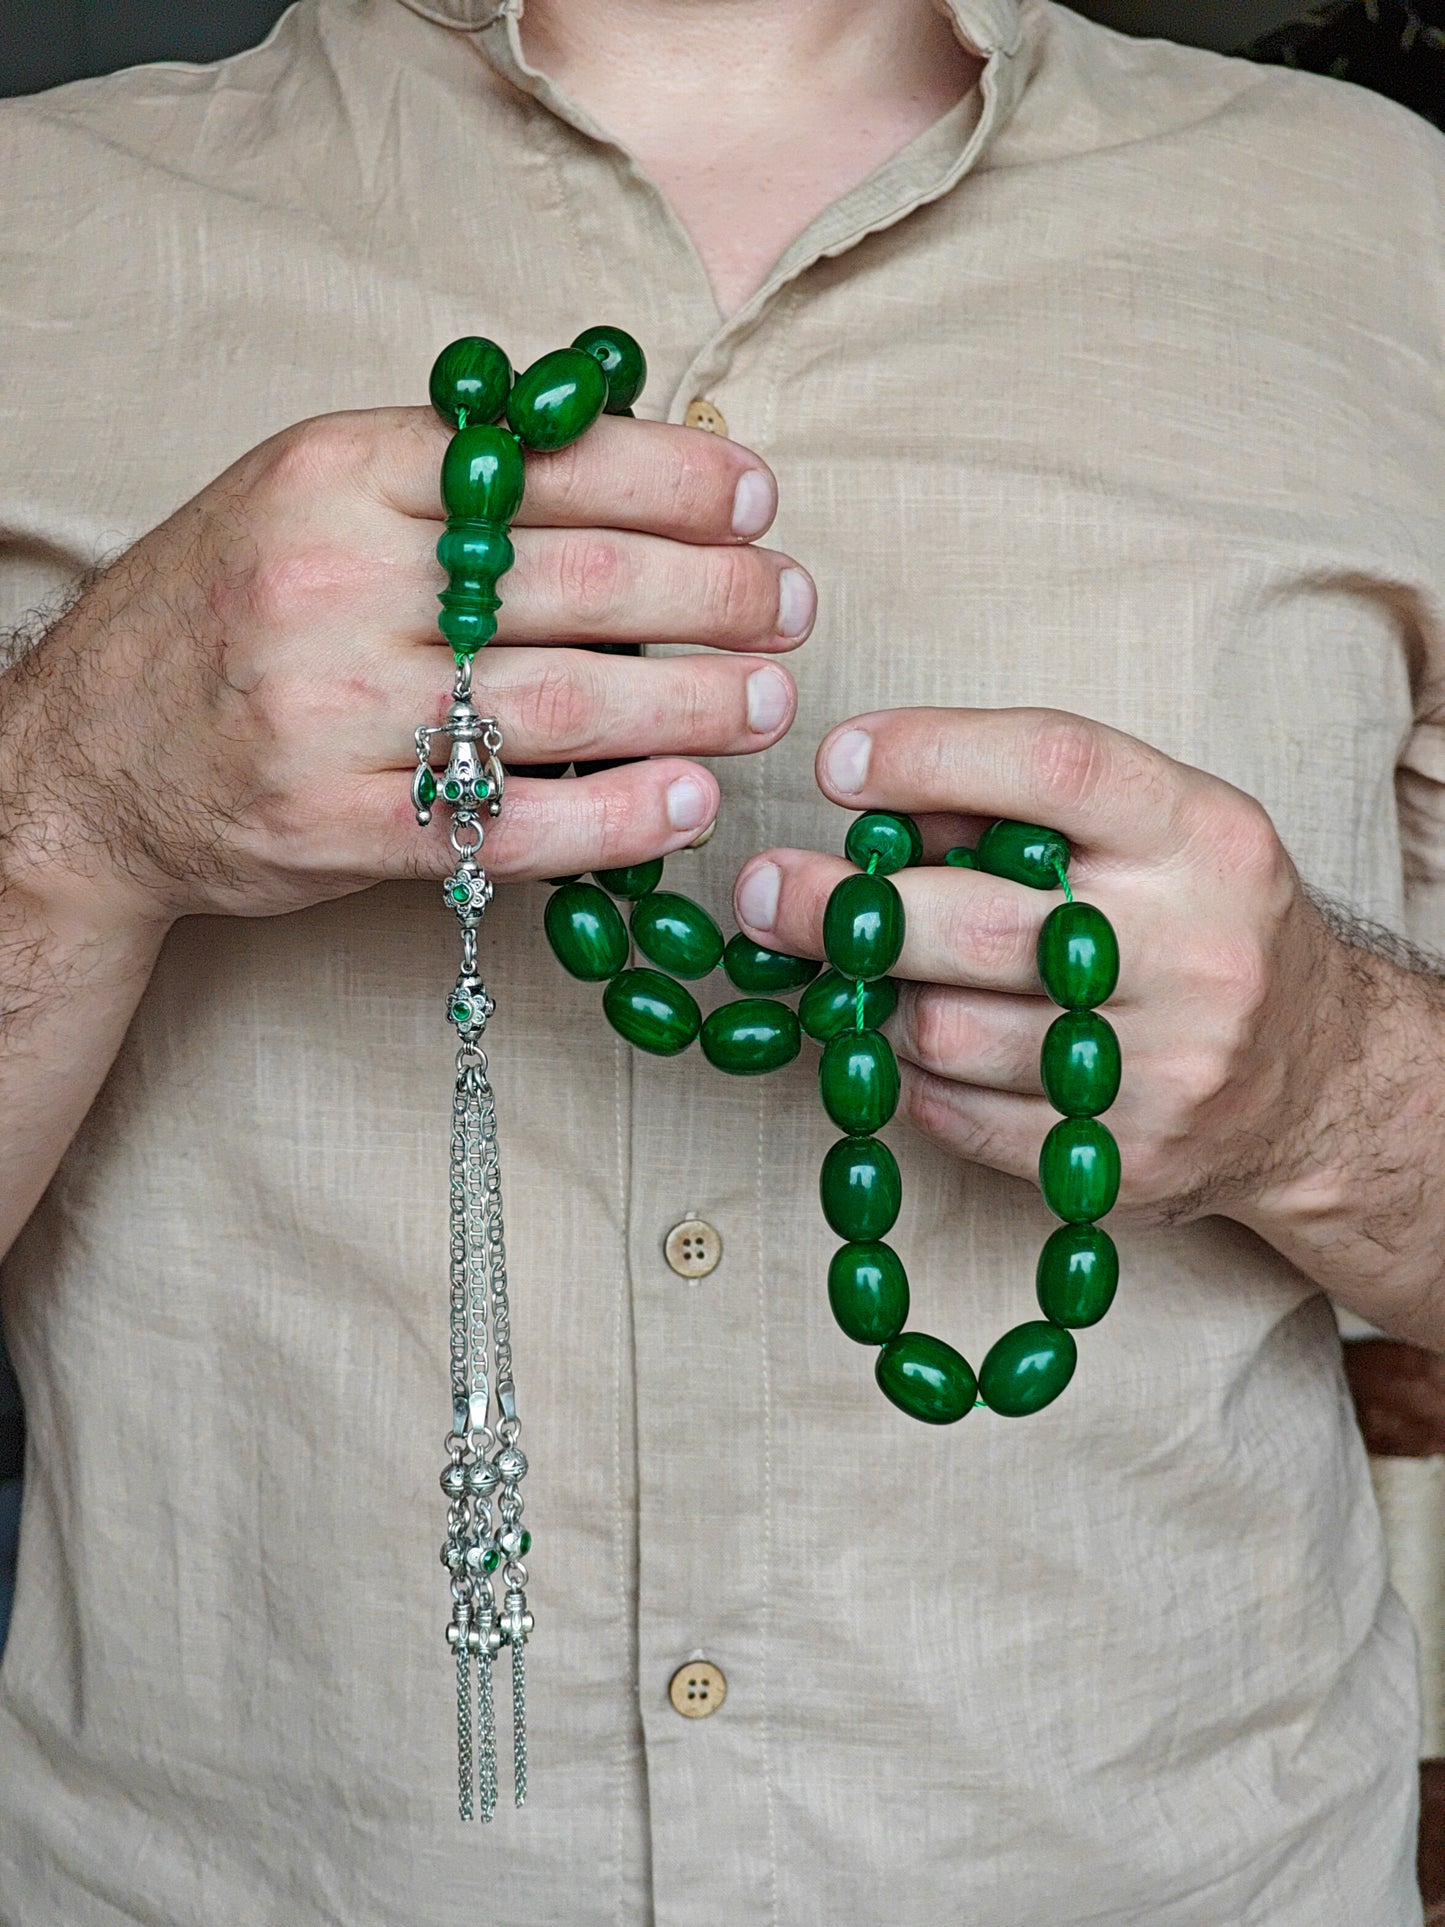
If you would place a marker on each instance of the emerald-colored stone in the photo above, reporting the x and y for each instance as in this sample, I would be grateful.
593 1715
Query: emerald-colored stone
621 360
1024 853
491 1559
652 1011
460 893
586 931
829 1005
1078 956
868 1292
676 933
557 399
633 880
461 1011
894 839
482 475
1078 1274
764 972
750 1036
1079 1170
526 1546
863 927
926 1378
471 375
860 1188
1027 1368
426 788
451 789
1080 1064
858 1080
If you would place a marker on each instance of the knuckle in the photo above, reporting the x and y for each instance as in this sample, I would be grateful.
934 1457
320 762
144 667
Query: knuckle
932 1025
312 455
555 707
1068 757
690 483
987 927
733 603
286 588
590 574
1247 845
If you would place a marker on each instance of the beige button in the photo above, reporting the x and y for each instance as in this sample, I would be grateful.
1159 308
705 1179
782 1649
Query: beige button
705 414
697 1689
693 1248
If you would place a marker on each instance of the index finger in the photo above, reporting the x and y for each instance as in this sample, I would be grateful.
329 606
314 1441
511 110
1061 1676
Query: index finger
1098 786
650 476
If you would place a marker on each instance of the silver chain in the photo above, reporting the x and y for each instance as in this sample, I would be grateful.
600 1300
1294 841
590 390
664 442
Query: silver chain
485 1465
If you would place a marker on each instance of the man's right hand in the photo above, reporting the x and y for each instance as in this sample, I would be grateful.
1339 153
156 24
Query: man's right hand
224 722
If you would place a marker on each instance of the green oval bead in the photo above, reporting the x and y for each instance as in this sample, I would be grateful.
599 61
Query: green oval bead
586 931
926 1378
752 968
622 361
858 1080
830 1005
960 857
471 374
557 399
863 927
676 933
750 1036
868 1291
893 838
633 880
1078 1274
1080 1063
652 1011
1079 1170
1027 1369
1024 853
1078 956
860 1188
474 552
482 475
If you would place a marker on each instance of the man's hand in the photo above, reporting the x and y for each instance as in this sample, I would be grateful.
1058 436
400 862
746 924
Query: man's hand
1273 1072
224 722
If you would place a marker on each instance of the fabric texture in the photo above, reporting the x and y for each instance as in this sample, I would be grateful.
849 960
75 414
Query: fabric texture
1115 392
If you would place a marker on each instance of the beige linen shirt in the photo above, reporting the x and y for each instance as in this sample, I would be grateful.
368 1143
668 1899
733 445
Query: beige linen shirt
1119 390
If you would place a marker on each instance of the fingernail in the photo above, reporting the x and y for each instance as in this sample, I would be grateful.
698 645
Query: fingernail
688 804
846 764
797 602
752 503
769 696
758 896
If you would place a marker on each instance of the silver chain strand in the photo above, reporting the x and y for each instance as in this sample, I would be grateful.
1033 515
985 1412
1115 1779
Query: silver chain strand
485 1464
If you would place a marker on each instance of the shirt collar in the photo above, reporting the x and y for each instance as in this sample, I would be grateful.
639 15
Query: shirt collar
988 26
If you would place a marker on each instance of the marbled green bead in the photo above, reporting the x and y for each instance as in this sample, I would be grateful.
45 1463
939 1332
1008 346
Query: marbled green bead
557 399
830 1005
474 552
1078 956
893 838
868 1291
926 1378
633 880
863 927
960 857
858 1080
676 934
860 1188
1078 1274
1080 1064
622 361
751 1035
471 374
1027 1368
759 972
652 1011
1024 853
1079 1170
482 475
586 931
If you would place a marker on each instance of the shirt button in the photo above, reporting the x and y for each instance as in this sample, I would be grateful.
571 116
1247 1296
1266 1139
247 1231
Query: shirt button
693 1248
705 414
697 1690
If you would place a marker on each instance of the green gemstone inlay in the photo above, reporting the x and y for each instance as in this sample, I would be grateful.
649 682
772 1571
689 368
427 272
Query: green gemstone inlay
676 934
491 1559
894 839
1079 1170
764 972
586 932
1024 853
926 1378
1080 1064
829 1005
860 1188
526 1546
652 1011
750 1036
426 788
1027 1368
863 927
858 1080
1078 956
1078 1274
868 1292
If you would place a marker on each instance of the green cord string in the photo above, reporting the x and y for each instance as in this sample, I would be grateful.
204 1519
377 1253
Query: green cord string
1063 877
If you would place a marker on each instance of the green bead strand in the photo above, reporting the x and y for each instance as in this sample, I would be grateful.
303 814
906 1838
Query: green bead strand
762 972
1078 1274
827 1007
1080 1064
750 1036
885 839
863 927
1079 1170
621 360
1027 1368
1023 853
868 1292
926 1378
860 1188
470 381
633 880
858 1081
652 1011
1078 956
557 399
676 934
